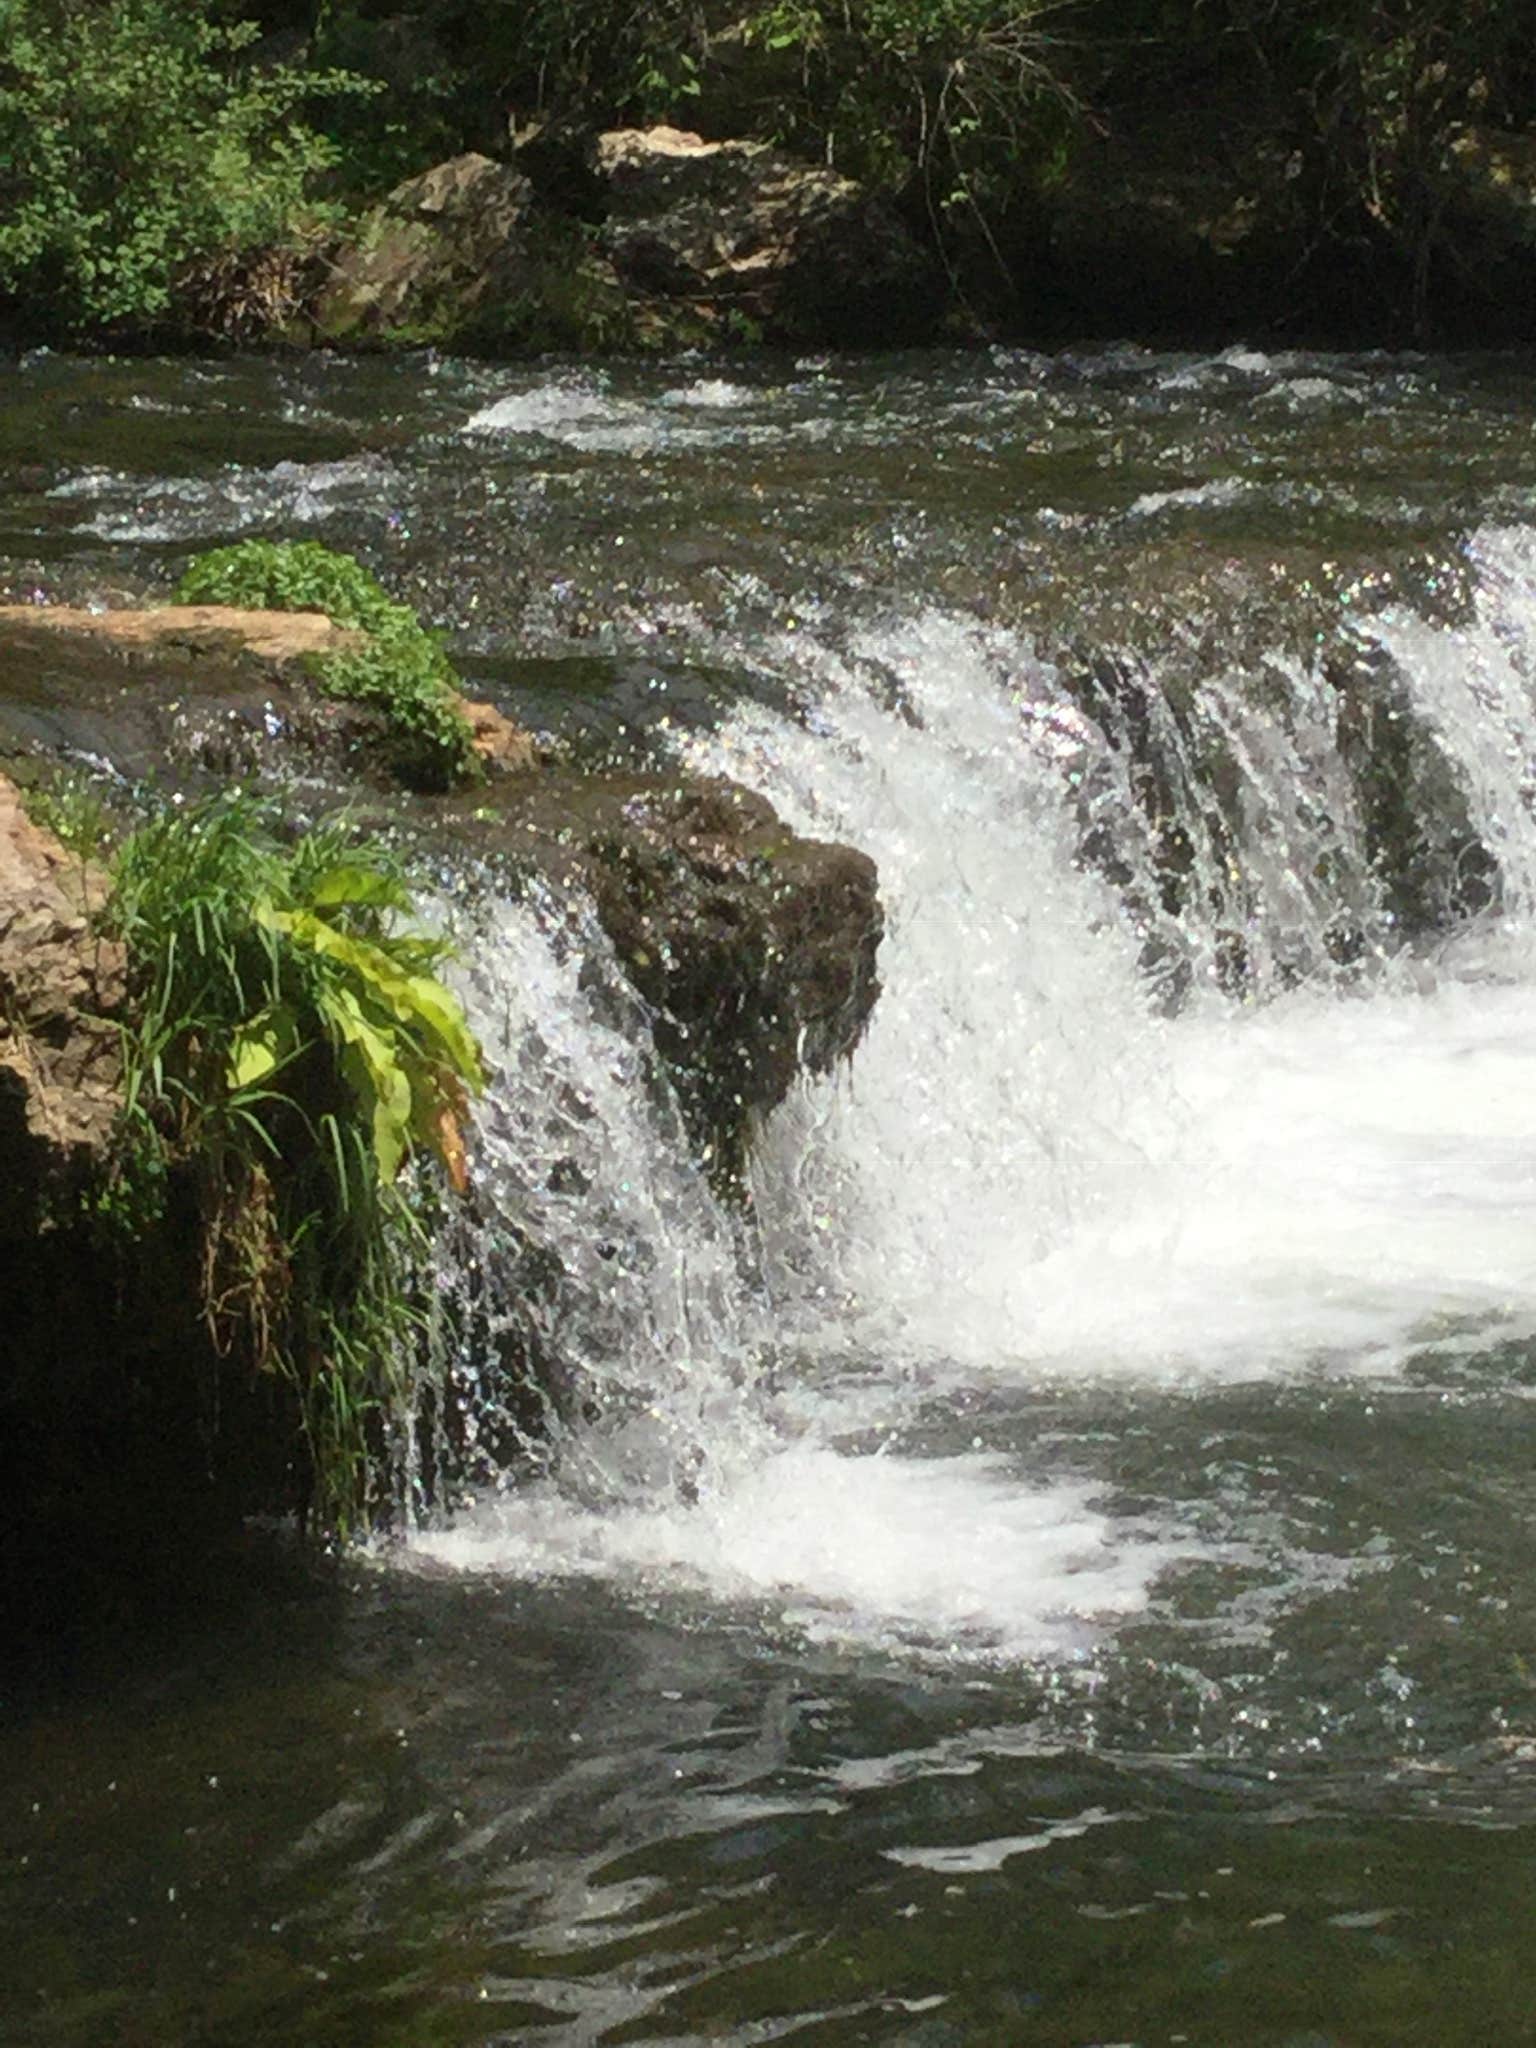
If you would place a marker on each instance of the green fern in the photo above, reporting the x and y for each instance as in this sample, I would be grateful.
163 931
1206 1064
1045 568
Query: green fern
291 1050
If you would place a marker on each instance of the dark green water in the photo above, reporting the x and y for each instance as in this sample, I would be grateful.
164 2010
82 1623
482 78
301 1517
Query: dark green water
1234 1742
411 1809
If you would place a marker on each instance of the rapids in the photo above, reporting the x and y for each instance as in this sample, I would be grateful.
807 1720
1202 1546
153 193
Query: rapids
1060 1566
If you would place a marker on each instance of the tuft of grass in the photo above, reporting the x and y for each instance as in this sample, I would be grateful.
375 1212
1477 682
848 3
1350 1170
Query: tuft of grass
402 668
70 808
291 1051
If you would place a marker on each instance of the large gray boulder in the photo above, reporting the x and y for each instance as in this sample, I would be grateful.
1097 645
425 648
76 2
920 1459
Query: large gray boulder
434 256
739 231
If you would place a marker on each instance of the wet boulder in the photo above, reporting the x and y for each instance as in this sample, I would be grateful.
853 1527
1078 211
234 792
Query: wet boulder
739 232
754 948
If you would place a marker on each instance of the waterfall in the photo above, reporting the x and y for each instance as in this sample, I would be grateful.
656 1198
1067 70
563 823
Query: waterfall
1053 1158
596 1244
1474 685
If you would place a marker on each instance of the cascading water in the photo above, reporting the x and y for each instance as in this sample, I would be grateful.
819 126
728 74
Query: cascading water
1059 1565
1029 1174
1474 686
1232 1172
686 1448
639 1306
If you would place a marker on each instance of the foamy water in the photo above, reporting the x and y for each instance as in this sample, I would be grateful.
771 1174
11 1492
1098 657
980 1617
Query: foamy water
1027 1178
949 1555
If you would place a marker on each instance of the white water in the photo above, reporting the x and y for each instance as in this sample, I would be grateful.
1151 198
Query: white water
1027 1177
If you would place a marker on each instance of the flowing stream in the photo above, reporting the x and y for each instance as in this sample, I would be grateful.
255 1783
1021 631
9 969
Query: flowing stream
1060 1566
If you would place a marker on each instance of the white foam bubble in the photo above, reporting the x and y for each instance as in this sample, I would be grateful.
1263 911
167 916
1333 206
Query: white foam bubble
1219 493
713 394
1300 394
955 1554
556 411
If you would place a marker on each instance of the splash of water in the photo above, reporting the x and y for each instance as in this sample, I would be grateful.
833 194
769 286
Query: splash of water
1030 1171
1474 684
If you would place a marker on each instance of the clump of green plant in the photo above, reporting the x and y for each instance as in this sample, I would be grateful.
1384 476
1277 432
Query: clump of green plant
138 146
70 807
401 667
291 1050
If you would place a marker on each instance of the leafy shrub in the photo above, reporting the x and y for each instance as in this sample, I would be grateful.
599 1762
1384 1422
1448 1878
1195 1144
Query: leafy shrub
290 1050
295 576
136 148
401 668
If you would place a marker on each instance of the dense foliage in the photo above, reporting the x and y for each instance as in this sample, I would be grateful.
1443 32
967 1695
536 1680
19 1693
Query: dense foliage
142 155
399 667
289 1048
156 154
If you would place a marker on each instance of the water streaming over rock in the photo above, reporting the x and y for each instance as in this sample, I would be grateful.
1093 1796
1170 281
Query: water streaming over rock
1106 1121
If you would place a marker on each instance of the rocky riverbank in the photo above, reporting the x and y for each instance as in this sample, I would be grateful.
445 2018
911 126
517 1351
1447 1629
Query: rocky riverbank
754 949
659 238
652 238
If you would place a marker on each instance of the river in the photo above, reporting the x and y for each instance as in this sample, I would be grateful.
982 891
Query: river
1062 1567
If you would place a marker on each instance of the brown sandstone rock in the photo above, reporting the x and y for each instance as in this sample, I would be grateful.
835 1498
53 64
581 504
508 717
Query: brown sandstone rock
281 639
502 745
60 986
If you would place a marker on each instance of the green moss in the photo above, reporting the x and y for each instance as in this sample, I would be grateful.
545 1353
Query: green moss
401 669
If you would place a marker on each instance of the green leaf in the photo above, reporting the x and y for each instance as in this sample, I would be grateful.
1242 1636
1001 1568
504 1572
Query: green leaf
377 1078
349 883
417 999
259 1048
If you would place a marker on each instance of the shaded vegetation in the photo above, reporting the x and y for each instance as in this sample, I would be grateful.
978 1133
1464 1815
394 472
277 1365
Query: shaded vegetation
1323 144
149 170
1331 164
